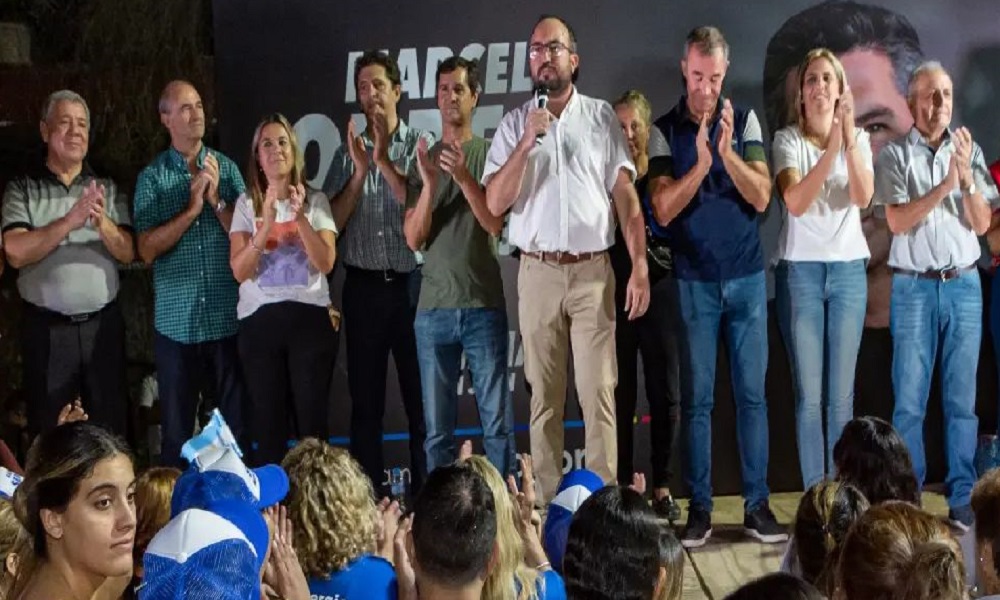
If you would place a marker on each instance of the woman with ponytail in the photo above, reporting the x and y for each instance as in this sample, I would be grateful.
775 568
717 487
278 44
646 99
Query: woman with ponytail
826 513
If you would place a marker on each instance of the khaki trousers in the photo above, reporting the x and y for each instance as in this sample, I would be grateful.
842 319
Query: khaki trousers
560 305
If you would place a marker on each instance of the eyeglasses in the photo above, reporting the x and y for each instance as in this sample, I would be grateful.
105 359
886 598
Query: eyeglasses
555 49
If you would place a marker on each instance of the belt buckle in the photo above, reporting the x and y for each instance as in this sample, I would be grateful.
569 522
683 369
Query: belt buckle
80 318
947 274
387 276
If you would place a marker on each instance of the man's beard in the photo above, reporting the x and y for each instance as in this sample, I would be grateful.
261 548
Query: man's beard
556 84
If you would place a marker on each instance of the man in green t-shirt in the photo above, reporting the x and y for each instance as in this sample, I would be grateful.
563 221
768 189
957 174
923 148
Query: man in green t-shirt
461 305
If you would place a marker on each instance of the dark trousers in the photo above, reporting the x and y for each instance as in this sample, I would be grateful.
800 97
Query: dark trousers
287 351
654 337
378 319
65 358
185 372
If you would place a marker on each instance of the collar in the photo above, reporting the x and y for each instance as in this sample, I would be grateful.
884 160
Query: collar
685 115
914 137
177 159
398 136
41 170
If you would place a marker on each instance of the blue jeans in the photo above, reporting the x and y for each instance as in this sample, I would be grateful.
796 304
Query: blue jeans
821 312
928 315
739 308
442 335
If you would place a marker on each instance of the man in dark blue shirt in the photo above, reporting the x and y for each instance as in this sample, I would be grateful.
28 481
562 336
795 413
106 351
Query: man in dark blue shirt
708 183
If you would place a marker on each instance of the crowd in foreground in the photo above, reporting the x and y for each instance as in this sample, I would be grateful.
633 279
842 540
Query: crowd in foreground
82 525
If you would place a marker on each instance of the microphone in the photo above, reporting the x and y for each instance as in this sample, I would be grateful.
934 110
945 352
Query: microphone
541 101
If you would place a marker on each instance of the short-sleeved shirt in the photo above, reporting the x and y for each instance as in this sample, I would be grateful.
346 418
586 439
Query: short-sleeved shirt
908 169
830 229
715 237
564 203
366 578
461 269
284 273
373 236
195 292
79 276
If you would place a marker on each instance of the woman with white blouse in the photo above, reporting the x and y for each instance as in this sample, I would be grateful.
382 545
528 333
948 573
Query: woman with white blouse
282 246
823 165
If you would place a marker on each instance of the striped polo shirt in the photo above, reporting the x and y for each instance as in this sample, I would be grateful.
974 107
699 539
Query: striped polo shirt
79 276
373 236
195 292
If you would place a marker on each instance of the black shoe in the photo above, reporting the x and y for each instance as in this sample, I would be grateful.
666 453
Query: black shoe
762 525
667 508
698 528
961 517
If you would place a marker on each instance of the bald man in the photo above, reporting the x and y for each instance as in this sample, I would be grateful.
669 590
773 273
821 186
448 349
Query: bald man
183 209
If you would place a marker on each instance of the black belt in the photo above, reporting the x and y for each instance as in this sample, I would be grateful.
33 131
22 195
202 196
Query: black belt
384 275
76 319
939 274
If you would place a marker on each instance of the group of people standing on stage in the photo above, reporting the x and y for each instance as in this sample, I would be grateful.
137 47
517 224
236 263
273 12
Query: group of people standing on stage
635 236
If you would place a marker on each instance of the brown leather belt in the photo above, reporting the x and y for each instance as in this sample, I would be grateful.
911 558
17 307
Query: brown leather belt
563 258
940 275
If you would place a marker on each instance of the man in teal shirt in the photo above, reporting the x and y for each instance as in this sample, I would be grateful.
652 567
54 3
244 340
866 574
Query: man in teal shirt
183 209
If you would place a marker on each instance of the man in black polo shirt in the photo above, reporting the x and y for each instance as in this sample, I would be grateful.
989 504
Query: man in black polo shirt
65 228
708 181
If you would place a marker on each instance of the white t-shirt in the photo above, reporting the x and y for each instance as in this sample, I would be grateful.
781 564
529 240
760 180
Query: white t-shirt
830 230
283 272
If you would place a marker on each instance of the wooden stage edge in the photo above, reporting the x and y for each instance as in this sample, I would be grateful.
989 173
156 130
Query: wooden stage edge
729 558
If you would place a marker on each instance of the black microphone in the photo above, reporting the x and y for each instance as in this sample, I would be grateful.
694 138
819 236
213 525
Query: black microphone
541 101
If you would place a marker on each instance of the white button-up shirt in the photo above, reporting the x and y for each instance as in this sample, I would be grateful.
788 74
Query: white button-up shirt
564 203
908 169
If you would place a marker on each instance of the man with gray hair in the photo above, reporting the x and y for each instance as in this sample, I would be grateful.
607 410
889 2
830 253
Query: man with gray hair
64 228
708 181
937 192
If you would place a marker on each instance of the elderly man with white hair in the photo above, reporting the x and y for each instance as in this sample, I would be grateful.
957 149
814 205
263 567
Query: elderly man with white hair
936 192
66 229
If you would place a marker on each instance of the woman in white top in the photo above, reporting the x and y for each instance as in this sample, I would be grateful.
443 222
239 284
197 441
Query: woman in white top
823 166
282 246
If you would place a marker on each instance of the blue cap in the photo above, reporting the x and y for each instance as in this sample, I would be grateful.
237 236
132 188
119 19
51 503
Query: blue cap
216 542
574 488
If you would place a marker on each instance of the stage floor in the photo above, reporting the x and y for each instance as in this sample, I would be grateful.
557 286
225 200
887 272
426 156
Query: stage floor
730 559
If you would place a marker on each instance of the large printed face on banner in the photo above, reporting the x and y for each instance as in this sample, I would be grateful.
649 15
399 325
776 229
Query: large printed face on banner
639 44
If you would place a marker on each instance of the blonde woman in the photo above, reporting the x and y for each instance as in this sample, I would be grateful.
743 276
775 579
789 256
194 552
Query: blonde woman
15 546
282 246
336 524
520 558
823 165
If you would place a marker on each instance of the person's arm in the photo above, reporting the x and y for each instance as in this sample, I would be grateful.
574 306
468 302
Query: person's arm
453 162
158 239
504 185
860 172
749 172
669 196
246 245
25 244
993 234
634 230
111 214
902 213
797 191
350 164
423 183
319 243
973 170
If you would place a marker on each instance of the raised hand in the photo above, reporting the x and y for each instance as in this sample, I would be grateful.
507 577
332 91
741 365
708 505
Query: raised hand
453 162
425 164
726 125
298 201
536 124
356 148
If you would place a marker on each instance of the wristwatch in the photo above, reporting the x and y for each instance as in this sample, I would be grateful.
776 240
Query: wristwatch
971 189
220 206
